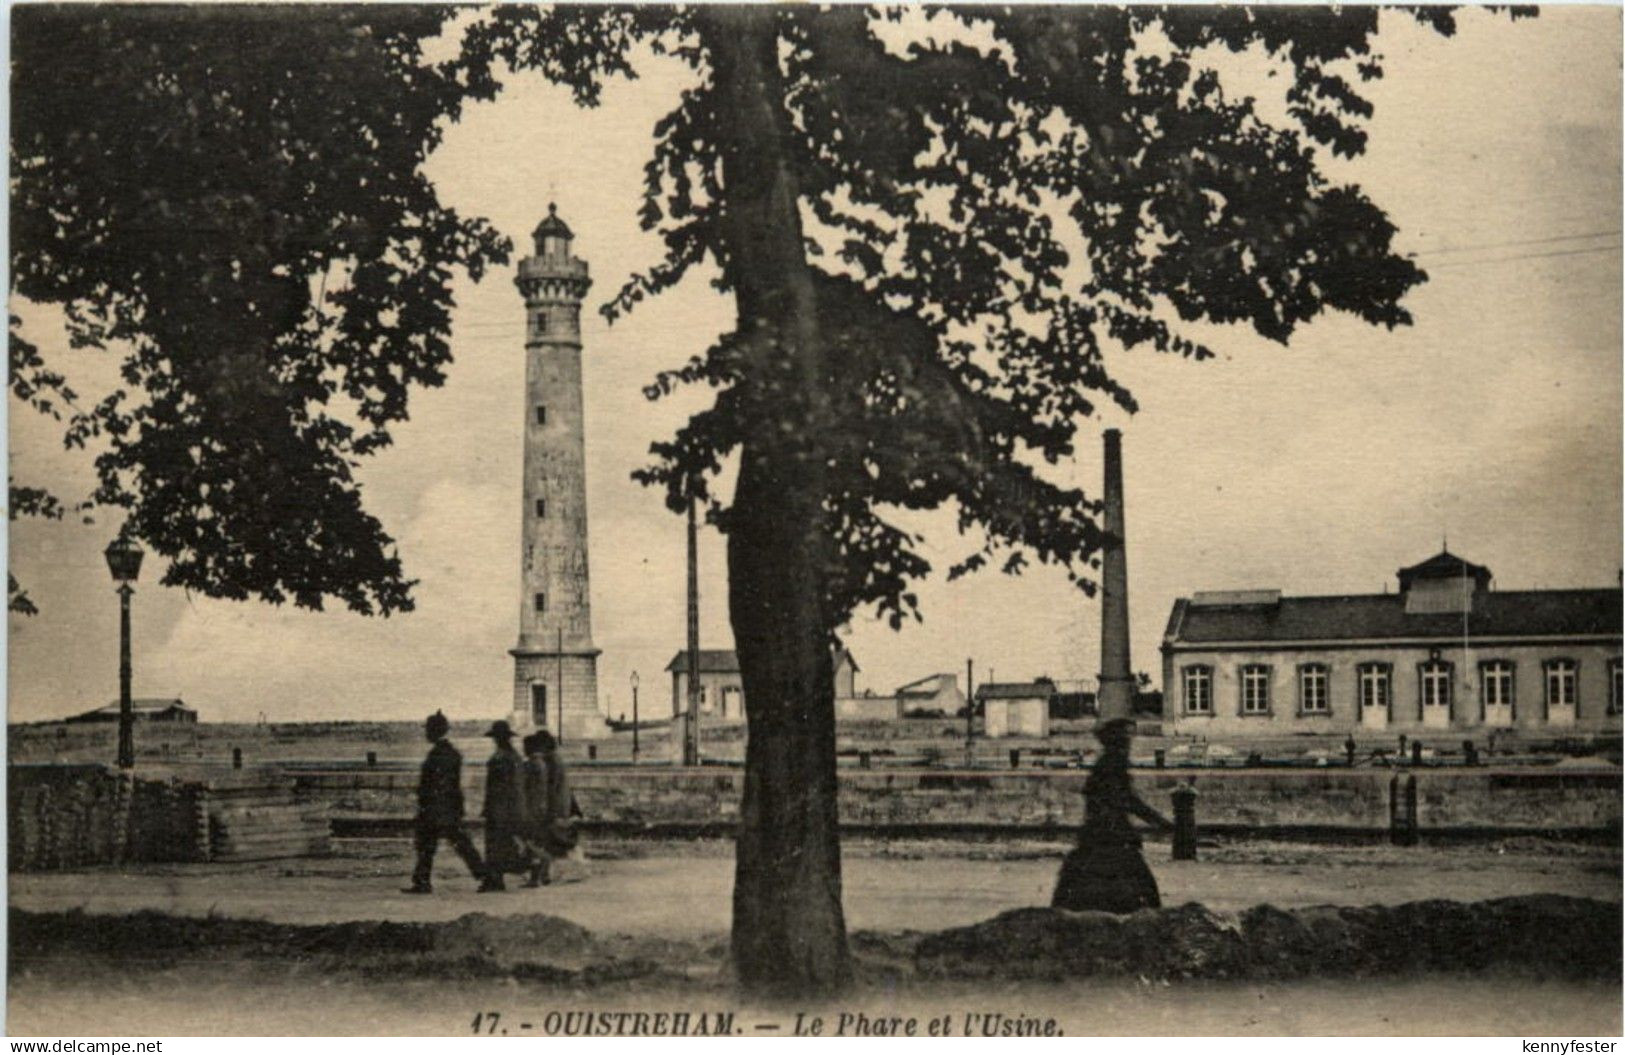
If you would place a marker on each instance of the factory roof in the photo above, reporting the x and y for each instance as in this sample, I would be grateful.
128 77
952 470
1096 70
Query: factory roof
1370 617
1444 565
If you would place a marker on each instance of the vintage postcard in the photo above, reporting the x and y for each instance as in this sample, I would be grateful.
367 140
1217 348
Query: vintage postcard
835 521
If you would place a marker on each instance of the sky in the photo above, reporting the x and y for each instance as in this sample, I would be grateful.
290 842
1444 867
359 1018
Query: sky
1493 423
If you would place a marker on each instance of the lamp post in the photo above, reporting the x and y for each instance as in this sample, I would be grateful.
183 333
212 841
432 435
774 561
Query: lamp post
634 717
124 561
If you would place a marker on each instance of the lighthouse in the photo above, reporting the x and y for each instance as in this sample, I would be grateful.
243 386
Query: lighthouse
555 663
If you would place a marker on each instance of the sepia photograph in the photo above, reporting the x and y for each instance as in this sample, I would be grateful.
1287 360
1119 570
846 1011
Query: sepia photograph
769 519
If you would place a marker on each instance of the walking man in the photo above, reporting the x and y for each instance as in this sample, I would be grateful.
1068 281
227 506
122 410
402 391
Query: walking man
440 809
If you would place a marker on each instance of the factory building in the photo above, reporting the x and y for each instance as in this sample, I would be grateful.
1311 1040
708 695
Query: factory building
1444 652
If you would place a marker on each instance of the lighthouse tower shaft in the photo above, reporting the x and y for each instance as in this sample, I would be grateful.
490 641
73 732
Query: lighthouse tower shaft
555 663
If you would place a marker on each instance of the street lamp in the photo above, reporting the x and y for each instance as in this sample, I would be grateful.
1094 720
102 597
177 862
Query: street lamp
124 561
634 716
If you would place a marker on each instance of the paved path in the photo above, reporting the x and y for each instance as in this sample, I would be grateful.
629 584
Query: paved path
684 894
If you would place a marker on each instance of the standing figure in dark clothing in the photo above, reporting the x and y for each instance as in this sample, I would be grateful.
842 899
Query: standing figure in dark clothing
504 807
550 828
440 808
1105 871
535 807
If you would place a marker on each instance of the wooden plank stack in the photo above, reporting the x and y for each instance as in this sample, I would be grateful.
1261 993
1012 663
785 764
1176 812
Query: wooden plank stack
80 815
253 815
74 816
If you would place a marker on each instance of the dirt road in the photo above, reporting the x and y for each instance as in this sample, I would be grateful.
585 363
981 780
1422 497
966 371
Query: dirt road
684 890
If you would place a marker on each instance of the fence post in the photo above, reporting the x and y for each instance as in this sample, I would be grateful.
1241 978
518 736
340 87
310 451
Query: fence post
1015 758
1185 823
372 758
1412 827
1416 752
1162 757
236 758
1396 814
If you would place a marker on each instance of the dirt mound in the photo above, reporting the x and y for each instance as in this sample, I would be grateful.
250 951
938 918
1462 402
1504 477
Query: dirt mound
1547 934
517 939
538 948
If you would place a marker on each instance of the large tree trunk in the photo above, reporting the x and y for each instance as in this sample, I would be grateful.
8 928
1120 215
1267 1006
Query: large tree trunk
789 934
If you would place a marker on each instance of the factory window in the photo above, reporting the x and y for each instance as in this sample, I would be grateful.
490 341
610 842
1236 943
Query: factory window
541 414
1374 687
538 704
1313 697
1435 684
1255 689
1198 690
541 602
1496 683
1616 686
541 507
1562 683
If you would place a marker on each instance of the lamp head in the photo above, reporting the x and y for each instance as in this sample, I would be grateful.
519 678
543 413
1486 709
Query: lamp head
124 559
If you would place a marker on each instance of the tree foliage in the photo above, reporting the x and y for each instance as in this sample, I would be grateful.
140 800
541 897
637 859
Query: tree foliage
232 198
932 240
995 207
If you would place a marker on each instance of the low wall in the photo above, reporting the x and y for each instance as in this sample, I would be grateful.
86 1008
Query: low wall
1534 800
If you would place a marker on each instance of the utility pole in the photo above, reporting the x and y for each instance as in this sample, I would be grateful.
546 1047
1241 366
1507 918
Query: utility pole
970 712
691 725
634 717
560 693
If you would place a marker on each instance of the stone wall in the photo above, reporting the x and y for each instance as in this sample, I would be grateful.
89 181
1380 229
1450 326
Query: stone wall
1543 799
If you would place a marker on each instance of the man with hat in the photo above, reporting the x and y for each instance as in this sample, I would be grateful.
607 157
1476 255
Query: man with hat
440 809
504 808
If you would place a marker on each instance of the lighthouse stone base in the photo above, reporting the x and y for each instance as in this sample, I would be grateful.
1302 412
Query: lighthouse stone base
542 679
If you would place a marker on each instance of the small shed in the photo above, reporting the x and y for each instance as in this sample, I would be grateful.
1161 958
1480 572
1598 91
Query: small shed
1015 708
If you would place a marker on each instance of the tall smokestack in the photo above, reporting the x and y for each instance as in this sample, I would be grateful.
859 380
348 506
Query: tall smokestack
1116 695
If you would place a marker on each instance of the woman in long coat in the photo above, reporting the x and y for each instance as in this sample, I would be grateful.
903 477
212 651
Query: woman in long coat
1105 872
504 807
549 819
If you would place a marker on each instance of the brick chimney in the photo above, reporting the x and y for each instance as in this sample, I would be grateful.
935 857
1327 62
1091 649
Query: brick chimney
1116 693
